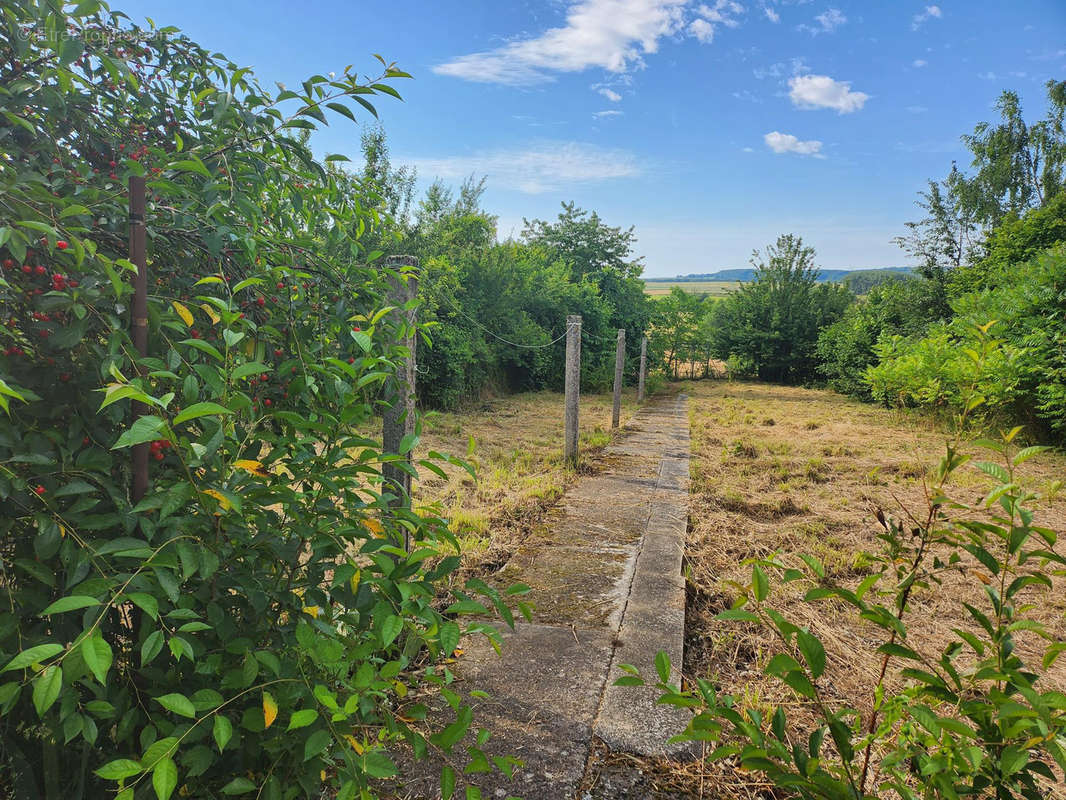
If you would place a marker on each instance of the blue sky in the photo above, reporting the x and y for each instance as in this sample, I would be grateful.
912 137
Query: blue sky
709 126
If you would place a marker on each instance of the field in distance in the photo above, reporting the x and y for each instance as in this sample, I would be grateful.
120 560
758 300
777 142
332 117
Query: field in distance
654 288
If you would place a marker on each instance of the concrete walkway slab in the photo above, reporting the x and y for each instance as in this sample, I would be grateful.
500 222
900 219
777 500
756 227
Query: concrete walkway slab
605 570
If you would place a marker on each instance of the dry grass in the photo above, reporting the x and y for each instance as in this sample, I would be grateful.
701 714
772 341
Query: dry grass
516 445
788 470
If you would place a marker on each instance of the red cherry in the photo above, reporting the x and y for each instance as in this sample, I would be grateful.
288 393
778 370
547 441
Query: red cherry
158 456
356 328
278 353
194 333
351 360
268 402
281 285
294 370
84 439
263 378
27 268
8 263
260 301
41 269
40 489
61 245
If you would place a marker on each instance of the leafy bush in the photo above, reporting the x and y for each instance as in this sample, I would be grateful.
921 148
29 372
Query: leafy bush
255 622
1023 379
972 721
846 348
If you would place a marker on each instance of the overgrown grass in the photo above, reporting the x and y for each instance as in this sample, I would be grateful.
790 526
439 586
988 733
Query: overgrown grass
516 446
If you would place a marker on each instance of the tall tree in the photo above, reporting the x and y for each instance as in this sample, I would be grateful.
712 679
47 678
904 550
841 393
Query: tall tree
773 322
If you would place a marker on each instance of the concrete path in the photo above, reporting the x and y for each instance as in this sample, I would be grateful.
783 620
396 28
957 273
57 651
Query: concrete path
605 573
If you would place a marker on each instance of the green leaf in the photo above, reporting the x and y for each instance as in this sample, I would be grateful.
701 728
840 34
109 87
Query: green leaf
46 688
222 731
97 655
200 410
71 603
33 655
119 769
662 665
238 786
301 719
447 783
316 743
146 602
177 703
449 638
760 584
390 629
165 778
153 643
813 652
144 429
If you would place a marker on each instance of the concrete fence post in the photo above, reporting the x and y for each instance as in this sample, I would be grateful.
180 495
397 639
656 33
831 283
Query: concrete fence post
398 420
643 368
572 387
619 362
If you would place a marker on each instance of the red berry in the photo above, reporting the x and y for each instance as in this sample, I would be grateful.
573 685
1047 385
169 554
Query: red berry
356 328
278 353
61 245
194 333
84 439
8 263
260 301
268 402
27 268
294 370
351 360
158 456
41 269
281 285
73 284
40 489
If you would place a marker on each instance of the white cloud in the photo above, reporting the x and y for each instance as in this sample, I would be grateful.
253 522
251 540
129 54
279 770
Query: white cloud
930 12
543 166
919 63
821 91
916 109
611 34
702 30
796 66
748 149
787 143
602 114
723 12
828 21
610 94
987 76
771 15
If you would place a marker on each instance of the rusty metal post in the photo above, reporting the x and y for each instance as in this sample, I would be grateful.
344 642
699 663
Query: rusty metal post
138 257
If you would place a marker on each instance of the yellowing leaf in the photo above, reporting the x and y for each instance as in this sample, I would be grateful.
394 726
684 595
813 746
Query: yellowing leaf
356 746
270 709
311 611
222 499
981 576
210 313
373 526
183 312
354 581
252 467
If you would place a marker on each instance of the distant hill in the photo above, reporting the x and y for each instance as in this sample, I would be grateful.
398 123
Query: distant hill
826 274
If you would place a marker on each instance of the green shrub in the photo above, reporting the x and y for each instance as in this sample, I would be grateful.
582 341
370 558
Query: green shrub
847 347
1021 326
256 622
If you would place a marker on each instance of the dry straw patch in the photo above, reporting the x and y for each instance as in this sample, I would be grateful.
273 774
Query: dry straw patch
518 454
790 470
